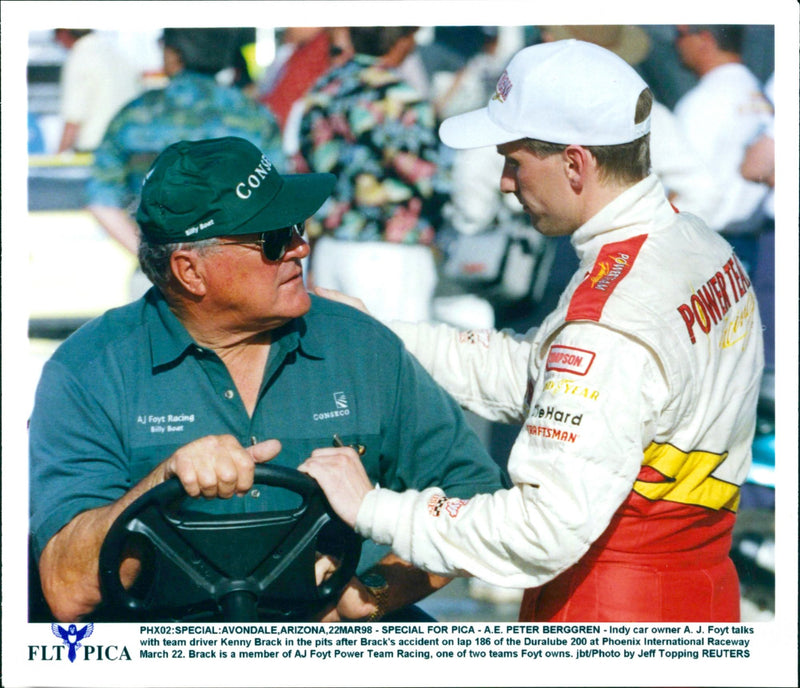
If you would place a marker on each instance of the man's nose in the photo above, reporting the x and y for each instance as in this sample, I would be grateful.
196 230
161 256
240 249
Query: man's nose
508 181
298 247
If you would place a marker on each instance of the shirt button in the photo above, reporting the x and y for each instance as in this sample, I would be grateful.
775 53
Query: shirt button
255 493
229 394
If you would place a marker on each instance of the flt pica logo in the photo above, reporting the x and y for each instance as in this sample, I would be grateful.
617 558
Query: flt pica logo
73 646
72 637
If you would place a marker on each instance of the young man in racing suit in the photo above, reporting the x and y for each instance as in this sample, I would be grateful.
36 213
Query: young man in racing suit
636 396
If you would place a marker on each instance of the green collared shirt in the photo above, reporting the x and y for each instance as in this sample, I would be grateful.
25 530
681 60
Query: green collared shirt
131 387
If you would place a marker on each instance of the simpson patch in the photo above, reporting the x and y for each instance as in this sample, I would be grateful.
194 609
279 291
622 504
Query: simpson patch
569 359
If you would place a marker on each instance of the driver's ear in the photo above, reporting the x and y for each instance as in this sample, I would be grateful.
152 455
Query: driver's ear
577 162
187 267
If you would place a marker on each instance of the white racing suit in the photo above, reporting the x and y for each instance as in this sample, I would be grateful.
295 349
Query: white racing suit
637 400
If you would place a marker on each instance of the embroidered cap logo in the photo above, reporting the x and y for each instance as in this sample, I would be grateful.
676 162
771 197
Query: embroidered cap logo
503 88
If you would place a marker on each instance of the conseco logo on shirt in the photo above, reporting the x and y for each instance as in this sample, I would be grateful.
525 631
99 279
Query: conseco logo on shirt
73 646
340 408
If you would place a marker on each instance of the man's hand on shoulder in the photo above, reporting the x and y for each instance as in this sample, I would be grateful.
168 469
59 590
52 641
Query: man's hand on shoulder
333 295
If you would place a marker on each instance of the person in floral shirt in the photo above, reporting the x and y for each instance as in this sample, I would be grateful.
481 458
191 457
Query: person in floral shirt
367 125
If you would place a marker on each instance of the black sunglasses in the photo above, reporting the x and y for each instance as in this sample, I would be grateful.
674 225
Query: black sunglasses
275 243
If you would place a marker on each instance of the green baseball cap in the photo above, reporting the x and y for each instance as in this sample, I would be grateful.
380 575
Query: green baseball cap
197 190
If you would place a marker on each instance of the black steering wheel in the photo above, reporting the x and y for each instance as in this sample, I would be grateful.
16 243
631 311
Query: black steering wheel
235 567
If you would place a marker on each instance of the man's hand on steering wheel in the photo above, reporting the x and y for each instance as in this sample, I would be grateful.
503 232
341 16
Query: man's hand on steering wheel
217 465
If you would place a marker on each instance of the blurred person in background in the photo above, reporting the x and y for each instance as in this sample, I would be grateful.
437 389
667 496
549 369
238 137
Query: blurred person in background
96 81
192 106
363 122
491 252
758 165
303 56
457 90
720 117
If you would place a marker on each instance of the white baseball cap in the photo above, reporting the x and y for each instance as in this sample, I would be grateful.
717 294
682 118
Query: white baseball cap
566 92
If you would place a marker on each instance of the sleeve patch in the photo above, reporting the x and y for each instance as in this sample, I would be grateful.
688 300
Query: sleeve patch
612 264
569 359
439 503
480 337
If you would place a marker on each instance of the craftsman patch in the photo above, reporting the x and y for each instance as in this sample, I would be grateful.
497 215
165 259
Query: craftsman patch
568 359
612 264
551 433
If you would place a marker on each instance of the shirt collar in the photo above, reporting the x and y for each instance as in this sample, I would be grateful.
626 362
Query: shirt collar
637 210
169 339
311 340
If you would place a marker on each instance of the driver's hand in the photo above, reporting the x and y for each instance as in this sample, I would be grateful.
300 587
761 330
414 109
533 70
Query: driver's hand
355 603
334 295
342 477
218 465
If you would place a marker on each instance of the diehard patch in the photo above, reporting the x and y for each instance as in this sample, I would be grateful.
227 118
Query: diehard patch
569 359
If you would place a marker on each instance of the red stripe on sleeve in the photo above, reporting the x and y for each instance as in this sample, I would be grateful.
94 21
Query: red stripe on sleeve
613 262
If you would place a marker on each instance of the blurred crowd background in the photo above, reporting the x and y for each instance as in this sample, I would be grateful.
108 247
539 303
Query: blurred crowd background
418 231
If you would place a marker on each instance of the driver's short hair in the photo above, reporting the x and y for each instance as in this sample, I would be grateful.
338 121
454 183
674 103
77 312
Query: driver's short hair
625 163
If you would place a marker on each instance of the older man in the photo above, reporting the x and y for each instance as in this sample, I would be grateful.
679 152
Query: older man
228 353
636 396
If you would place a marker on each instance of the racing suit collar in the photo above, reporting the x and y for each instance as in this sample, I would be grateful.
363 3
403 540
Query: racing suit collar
638 206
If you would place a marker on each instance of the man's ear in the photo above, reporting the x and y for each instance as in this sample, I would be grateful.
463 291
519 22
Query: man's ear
578 162
187 269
